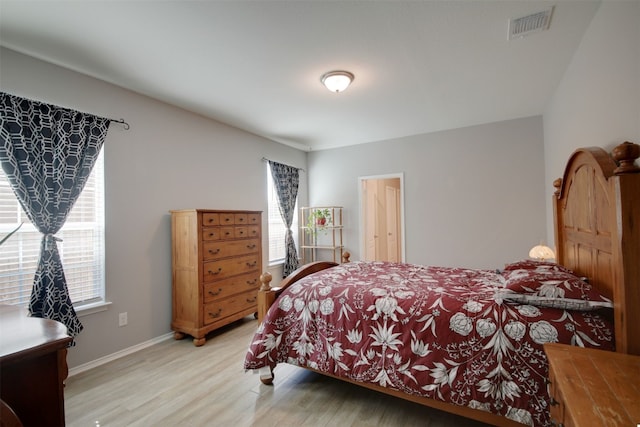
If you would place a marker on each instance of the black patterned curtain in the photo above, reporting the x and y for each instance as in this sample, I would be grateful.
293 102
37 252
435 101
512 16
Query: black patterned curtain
286 179
47 153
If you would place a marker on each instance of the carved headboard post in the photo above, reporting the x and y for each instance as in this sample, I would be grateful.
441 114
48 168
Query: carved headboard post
559 228
626 254
625 155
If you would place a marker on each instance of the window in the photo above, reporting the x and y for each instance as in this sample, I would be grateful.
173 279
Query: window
277 229
81 249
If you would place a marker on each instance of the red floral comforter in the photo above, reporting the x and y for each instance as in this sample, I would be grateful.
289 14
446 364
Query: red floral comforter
442 333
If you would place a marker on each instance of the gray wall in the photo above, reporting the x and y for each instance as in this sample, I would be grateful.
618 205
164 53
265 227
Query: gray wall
169 159
598 100
474 196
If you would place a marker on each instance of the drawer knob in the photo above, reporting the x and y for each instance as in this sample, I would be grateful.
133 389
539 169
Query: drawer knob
251 246
241 232
217 251
212 293
252 264
216 314
227 219
241 219
226 233
252 300
216 272
252 282
212 234
210 219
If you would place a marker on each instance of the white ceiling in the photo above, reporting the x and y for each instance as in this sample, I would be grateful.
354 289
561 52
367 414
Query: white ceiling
420 66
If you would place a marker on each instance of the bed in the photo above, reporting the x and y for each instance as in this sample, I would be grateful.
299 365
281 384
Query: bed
470 341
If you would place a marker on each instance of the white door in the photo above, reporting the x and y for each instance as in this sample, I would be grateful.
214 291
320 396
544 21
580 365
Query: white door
381 218
370 221
391 206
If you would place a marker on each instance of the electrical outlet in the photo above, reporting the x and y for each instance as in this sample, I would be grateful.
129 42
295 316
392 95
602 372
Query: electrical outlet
122 319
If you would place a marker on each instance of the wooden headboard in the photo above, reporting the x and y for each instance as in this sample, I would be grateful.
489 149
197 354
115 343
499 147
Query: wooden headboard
597 230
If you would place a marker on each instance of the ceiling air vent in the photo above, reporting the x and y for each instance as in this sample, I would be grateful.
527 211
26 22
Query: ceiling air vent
536 22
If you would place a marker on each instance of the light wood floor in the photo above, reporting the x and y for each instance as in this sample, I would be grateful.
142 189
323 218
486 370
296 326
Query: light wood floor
174 383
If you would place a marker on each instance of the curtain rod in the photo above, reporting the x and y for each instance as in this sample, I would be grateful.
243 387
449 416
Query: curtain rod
264 159
124 124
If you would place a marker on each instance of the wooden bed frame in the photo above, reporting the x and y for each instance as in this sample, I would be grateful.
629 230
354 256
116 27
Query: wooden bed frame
597 234
597 230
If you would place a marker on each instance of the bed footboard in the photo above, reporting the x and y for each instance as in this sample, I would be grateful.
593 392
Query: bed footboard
267 295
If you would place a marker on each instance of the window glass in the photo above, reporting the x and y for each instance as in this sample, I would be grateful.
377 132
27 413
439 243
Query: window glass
81 248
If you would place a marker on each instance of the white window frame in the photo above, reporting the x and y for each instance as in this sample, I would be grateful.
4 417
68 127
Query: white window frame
83 259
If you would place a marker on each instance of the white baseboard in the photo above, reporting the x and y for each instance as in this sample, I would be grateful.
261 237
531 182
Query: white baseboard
119 354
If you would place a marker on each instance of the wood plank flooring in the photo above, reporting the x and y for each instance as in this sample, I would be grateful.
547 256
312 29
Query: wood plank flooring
174 383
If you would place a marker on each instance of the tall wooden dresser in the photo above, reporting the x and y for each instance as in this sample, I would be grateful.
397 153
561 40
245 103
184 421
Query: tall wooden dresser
216 262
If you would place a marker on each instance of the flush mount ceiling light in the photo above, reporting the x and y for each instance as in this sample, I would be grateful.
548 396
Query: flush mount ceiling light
337 81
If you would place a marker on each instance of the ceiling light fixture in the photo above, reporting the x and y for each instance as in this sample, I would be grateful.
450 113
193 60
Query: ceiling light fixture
337 81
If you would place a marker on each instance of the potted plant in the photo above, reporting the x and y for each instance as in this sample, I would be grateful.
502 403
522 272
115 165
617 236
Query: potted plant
318 219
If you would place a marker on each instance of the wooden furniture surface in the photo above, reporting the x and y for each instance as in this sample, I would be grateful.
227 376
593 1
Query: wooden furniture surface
216 262
597 235
593 387
33 367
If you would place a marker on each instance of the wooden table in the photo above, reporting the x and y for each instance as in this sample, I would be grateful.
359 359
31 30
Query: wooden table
33 367
593 387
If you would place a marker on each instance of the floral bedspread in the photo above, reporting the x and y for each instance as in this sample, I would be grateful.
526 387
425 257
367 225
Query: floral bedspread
439 332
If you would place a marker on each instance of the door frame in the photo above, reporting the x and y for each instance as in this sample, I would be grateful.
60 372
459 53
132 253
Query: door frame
361 209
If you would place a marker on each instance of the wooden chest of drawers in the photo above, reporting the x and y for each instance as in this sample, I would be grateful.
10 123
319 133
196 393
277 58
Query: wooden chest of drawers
591 387
216 262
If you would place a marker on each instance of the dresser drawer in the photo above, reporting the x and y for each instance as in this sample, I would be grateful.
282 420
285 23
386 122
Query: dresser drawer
253 219
227 232
211 233
227 287
239 232
210 219
226 307
216 270
230 218
227 218
221 249
253 231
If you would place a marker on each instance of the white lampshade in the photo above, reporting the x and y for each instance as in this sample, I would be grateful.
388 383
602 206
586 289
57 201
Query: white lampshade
541 253
337 81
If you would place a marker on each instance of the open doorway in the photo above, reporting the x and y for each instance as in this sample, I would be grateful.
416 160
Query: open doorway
382 218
